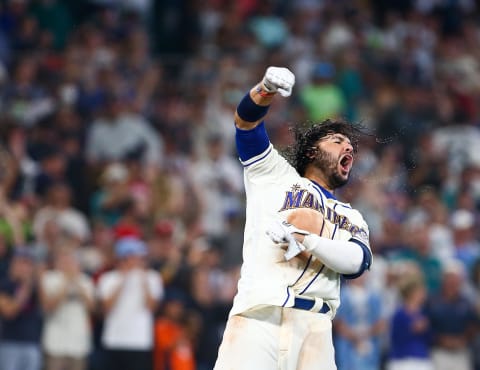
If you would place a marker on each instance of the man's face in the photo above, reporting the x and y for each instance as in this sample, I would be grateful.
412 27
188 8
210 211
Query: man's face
133 261
334 157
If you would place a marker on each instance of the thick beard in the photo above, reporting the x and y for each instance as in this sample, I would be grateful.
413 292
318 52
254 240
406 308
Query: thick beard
325 162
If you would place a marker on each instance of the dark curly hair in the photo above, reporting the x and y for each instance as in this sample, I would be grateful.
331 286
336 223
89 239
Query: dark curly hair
301 153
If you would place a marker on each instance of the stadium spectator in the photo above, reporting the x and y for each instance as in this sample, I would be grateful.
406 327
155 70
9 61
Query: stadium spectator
218 179
67 297
129 295
359 326
452 318
25 99
212 315
323 98
419 250
121 133
467 248
173 345
410 329
110 198
53 165
57 209
165 251
21 315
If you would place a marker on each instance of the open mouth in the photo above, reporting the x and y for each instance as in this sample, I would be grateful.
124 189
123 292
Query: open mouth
346 162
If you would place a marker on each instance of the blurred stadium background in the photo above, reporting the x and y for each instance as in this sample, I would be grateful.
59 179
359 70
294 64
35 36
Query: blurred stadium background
117 144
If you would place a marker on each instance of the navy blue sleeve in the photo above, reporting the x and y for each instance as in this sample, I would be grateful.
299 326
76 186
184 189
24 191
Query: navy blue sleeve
367 260
251 143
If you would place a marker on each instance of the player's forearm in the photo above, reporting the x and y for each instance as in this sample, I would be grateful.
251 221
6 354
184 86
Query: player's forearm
253 107
344 257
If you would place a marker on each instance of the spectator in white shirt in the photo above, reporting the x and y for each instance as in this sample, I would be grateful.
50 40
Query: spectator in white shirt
219 179
121 133
67 300
59 210
129 295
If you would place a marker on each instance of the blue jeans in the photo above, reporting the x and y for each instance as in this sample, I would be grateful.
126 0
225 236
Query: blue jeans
20 356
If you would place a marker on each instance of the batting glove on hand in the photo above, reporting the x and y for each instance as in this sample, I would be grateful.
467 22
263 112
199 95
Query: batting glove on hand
281 233
278 79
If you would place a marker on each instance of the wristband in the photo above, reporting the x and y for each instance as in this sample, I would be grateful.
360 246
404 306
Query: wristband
249 111
263 92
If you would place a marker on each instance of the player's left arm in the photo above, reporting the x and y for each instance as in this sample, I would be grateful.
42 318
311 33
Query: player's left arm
347 257
362 239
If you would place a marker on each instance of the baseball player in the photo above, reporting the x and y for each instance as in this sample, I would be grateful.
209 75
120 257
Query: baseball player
299 240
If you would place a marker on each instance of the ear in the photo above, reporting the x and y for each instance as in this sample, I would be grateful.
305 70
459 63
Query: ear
311 153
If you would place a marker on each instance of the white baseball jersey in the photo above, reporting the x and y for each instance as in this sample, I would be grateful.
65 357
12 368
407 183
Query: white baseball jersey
273 189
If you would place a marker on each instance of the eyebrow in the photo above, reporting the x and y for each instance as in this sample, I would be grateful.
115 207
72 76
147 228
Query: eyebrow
337 136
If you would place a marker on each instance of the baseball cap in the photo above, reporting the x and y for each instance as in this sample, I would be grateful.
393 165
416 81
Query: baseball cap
164 228
122 231
130 246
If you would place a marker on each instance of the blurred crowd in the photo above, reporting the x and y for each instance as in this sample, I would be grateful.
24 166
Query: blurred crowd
122 200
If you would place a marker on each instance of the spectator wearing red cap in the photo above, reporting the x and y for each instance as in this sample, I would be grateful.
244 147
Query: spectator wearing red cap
165 251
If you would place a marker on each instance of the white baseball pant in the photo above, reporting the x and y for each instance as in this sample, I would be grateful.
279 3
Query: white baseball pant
277 338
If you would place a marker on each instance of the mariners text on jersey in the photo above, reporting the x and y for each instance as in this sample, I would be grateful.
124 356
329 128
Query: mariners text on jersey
297 197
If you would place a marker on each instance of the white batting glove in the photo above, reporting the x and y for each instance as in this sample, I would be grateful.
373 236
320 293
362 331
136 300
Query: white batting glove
281 233
278 79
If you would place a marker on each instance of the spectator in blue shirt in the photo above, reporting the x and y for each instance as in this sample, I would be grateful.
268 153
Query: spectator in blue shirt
409 330
452 318
358 325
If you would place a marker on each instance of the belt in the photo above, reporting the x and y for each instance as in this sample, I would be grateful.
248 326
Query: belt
307 304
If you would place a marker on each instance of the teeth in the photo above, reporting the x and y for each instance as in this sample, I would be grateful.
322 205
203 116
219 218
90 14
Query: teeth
345 160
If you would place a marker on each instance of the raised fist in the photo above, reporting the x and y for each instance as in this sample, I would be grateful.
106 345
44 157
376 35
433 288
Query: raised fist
278 79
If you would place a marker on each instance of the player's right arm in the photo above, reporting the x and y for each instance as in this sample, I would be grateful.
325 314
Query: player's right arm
255 104
251 136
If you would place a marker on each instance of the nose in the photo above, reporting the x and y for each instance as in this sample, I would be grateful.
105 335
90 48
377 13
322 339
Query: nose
349 148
